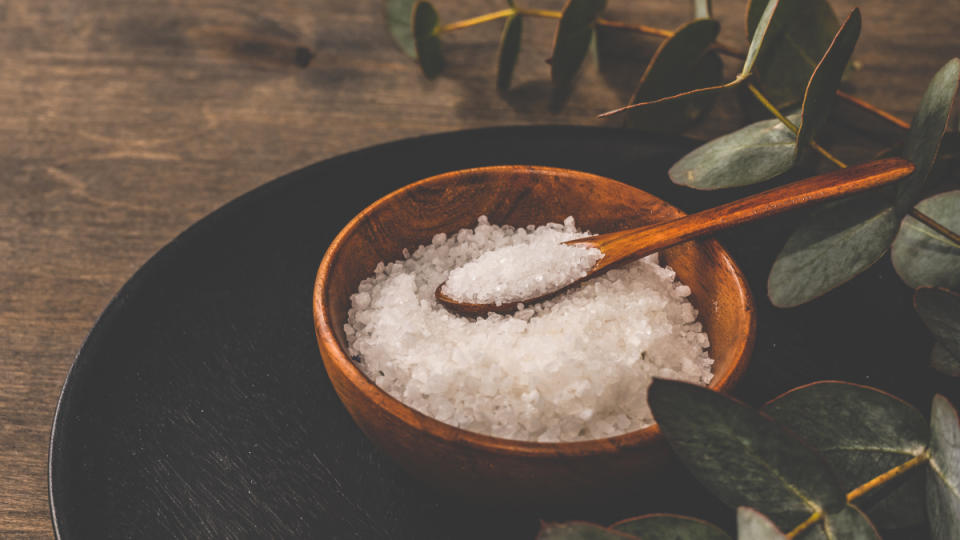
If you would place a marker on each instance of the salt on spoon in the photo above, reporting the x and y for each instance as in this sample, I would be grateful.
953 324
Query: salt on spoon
501 280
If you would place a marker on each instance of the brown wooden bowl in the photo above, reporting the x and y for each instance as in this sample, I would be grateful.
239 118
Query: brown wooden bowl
481 466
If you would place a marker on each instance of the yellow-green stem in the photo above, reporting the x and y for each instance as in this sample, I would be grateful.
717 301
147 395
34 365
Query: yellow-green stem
473 21
776 112
810 522
640 28
863 489
772 108
544 13
828 155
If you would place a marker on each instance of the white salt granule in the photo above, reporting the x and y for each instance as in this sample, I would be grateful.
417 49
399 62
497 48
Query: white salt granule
572 368
540 265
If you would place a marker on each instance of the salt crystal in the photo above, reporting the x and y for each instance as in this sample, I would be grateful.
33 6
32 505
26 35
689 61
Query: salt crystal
572 368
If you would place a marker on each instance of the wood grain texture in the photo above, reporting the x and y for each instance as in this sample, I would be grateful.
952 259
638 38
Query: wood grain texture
124 122
489 468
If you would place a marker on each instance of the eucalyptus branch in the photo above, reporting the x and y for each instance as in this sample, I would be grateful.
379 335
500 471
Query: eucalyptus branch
864 488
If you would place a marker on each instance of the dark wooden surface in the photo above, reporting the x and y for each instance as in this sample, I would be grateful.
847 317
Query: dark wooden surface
124 122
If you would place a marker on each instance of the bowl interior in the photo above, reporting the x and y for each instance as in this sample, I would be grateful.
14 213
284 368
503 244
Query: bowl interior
519 196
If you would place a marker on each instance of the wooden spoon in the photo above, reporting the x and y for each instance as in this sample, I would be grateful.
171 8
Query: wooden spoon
622 246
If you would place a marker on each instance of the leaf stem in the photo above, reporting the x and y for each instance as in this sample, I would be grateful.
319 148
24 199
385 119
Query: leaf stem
473 21
545 13
828 155
776 112
640 28
862 489
772 108
935 225
872 109
810 522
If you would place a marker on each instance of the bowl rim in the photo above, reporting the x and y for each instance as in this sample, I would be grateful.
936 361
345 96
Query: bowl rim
399 411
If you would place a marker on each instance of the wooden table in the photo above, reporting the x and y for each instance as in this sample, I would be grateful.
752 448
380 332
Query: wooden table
124 122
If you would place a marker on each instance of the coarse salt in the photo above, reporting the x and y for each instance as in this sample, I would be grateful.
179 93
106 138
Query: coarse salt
571 368
540 265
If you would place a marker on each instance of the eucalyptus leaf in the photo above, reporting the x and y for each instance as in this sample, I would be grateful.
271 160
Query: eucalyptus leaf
943 475
926 132
862 432
752 525
670 527
702 9
752 154
939 309
923 257
578 530
508 51
825 81
742 455
790 56
944 362
681 63
425 20
849 524
398 14
573 37
838 241
769 25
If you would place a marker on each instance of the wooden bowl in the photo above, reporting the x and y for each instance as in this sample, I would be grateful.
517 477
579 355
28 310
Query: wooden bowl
482 466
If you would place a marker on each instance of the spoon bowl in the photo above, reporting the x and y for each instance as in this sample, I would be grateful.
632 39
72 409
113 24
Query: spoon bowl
490 468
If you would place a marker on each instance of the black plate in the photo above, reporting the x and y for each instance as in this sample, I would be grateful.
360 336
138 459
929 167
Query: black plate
199 408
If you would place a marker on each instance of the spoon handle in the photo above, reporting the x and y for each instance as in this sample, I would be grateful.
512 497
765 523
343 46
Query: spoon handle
632 243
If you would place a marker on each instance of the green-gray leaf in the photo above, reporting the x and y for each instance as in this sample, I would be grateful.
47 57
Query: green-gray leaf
822 88
939 309
838 241
670 527
944 362
752 525
399 14
943 475
508 51
702 9
924 257
749 155
768 27
789 57
862 432
743 456
849 524
680 64
574 33
926 132
427 43
578 530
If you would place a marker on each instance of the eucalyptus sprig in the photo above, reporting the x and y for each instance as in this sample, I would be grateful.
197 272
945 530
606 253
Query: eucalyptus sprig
826 460
798 54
